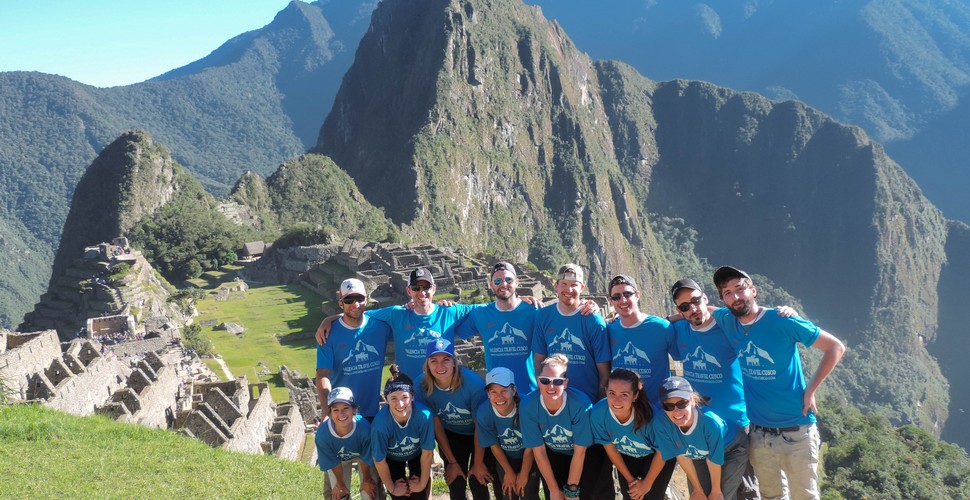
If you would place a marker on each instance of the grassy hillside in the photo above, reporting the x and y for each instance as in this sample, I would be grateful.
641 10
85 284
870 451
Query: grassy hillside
48 454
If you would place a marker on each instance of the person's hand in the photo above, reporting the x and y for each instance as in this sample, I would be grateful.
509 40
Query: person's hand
532 301
323 331
716 496
786 312
639 488
698 494
400 488
480 472
808 402
414 484
446 303
368 486
556 494
589 307
453 471
521 479
409 305
339 491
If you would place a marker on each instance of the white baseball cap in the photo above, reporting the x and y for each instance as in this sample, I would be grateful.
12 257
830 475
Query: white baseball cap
350 286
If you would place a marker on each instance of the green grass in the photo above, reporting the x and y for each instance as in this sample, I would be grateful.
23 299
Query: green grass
49 454
266 312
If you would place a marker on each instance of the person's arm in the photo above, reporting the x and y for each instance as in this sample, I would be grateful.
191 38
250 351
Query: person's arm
323 331
420 483
452 469
399 489
338 490
715 472
618 462
687 465
603 370
589 307
545 468
366 482
656 465
323 390
833 349
509 477
522 478
478 468
576 464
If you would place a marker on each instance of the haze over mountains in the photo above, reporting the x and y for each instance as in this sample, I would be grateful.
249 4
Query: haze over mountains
481 125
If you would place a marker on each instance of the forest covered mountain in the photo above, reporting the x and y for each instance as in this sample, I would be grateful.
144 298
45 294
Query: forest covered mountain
481 125
252 103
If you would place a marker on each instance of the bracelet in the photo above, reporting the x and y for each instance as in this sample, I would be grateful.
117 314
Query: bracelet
571 491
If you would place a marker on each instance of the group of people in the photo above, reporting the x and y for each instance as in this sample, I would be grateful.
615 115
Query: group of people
567 397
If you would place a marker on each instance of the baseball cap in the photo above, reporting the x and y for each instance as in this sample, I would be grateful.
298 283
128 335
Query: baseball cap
684 283
499 375
351 286
503 266
341 395
623 279
441 345
675 387
724 274
420 274
571 272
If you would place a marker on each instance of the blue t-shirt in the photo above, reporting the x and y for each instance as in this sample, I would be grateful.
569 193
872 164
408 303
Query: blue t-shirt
355 358
643 348
711 366
628 440
506 338
771 367
705 439
413 332
580 338
456 409
402 442
497 429
333 449
559 431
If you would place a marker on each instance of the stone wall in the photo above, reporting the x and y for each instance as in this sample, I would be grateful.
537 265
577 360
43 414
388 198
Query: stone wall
249 433
81 393
287 433
158 399
24 354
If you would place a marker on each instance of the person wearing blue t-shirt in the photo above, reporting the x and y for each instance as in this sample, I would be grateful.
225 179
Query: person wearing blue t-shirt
639 342
402 442
498 424
354 355
413 328
691 434
623 423
784 439
711 366
453 394
555 425
560 328
342 440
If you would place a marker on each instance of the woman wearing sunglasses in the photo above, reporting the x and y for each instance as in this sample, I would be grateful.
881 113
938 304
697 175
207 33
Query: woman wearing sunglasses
402 441
499 429
623 423
453 393
691 433
555 425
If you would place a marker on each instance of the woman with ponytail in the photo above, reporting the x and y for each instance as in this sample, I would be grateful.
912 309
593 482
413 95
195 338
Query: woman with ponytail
622 422
402 441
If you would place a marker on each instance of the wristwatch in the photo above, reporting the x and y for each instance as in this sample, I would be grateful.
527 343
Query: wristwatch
571 491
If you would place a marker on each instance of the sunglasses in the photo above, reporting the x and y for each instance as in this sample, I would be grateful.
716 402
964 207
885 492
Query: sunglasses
420 288
499 281
626 295
554 381
680 405
351 299
686 305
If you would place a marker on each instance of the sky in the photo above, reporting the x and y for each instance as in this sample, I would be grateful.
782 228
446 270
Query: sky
118 42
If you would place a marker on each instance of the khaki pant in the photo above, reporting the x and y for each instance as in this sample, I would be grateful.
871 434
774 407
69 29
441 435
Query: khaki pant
785 463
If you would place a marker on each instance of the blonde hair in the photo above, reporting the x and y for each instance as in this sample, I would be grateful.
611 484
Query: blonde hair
557 359
427 384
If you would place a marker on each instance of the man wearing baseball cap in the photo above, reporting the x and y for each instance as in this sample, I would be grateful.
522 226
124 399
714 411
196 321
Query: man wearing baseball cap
415 327
712 368
354 355
781 407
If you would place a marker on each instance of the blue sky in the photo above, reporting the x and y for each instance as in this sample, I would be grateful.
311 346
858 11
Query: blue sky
118 42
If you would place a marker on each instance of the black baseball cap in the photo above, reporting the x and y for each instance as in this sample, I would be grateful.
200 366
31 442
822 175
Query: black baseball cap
684 283
724 274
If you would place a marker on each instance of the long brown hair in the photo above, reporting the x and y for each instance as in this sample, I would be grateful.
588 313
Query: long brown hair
642 413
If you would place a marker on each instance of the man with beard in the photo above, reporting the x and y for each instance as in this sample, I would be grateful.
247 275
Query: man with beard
781 407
